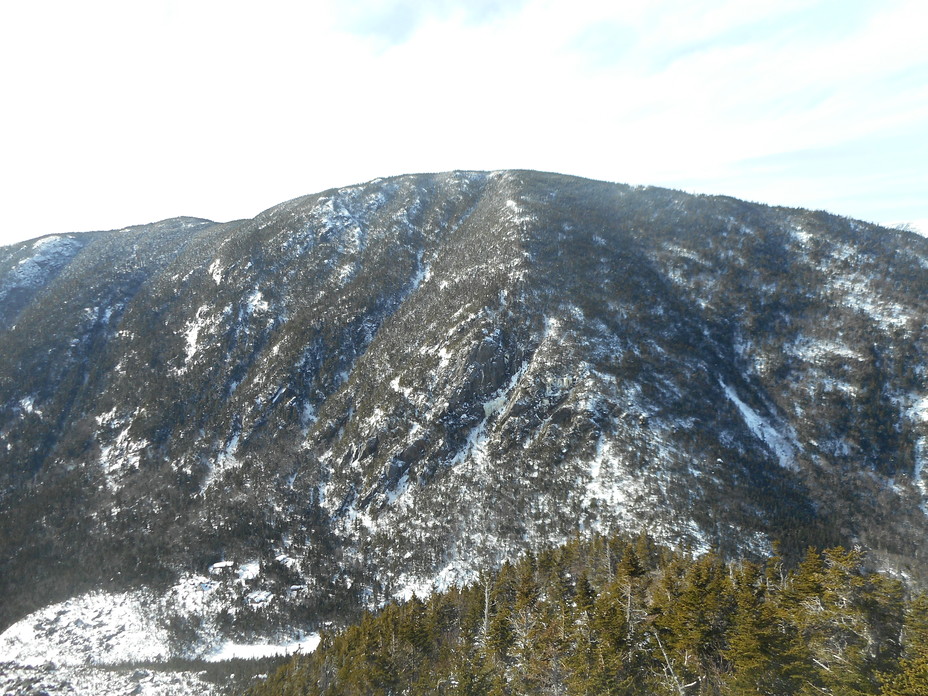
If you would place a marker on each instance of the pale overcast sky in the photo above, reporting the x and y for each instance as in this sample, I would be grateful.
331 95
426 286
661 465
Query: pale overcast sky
116 113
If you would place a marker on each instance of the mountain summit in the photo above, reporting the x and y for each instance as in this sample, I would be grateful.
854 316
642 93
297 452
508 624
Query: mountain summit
379 390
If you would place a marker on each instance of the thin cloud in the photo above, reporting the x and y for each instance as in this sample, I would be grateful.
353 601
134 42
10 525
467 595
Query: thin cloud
394 22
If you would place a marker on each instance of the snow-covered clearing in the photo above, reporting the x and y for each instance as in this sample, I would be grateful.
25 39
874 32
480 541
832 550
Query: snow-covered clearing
253 651
87 645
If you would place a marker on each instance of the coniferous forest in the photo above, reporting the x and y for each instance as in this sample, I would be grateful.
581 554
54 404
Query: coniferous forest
613 615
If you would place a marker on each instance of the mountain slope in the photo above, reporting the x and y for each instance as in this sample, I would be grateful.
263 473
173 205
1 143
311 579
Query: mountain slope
376 390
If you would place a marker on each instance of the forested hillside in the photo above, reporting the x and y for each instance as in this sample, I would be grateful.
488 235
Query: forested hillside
618 616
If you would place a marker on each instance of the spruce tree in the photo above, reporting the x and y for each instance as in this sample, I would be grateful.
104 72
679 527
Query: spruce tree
911 676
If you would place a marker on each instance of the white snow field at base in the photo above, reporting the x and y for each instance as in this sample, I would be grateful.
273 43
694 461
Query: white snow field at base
18 680
87 645
97 627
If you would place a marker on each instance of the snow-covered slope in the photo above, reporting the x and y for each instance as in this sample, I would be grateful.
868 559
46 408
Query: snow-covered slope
105 643
50 680
105 628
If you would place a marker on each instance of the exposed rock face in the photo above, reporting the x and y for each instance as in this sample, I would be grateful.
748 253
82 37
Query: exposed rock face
375 390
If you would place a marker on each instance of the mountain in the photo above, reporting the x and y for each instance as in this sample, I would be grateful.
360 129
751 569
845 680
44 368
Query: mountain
238 432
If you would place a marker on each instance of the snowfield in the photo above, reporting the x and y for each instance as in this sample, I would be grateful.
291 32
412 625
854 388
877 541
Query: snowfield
19 680
111 643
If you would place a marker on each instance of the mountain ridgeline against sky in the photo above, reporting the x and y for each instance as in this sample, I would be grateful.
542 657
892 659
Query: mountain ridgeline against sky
375 391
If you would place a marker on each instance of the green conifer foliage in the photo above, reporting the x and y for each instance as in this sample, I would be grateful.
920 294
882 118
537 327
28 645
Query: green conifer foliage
911 676
761 643
615 617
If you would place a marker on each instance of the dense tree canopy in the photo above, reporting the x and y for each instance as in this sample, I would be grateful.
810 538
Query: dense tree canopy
622 616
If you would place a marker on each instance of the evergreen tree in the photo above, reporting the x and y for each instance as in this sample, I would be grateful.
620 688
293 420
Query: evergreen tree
911 676
688 627
761 645
694 621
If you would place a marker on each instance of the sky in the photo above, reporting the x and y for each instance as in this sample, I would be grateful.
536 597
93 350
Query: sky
116 113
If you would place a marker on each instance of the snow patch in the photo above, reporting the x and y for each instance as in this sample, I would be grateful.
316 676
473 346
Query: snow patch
249 570
475 447
517 212
307 416
254 651
398 493
919 414
495 405
259 597
801 236
27 404
215 270
397 387
255 302
456 573
192 330
95 628
220 567
16 680
780 444
83 641
50 253
814 350
444 357
921 457
224 460
610 485
122 454
423 273
857 295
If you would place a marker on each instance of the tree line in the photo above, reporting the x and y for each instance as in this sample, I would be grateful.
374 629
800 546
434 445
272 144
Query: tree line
615 615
